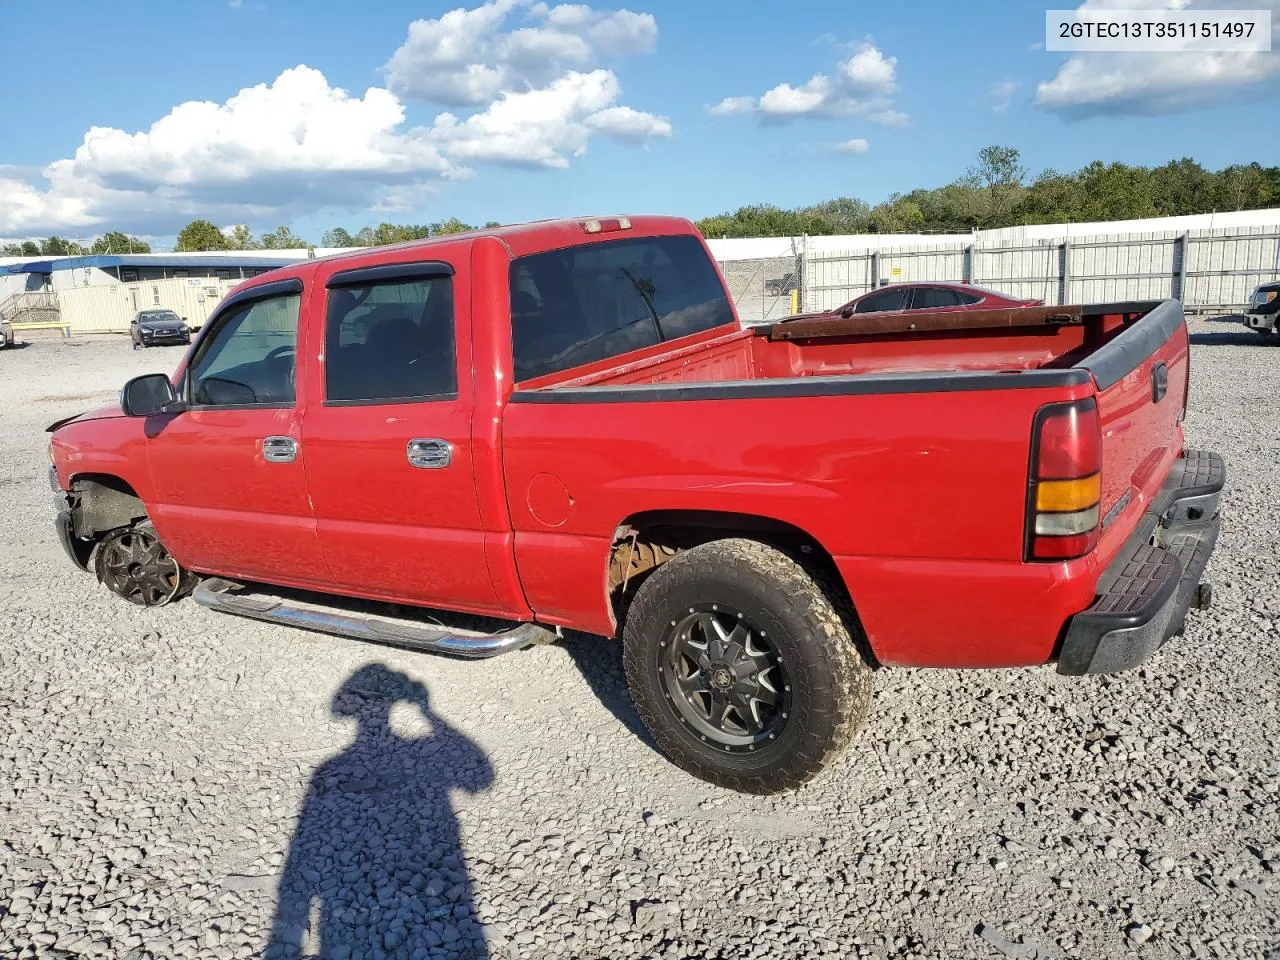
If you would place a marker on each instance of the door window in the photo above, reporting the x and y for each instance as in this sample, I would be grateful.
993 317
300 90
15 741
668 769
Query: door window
391 341
932 298
250 358
893 298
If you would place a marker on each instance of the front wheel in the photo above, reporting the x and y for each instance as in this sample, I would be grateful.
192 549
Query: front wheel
742 667
133 564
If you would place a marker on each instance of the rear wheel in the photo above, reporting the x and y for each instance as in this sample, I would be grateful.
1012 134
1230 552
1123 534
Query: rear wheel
133 564
742 667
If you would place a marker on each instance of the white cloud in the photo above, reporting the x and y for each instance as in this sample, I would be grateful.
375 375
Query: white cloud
538 128
629 126
857 147
863 84
869 71
464 59
890 118
297 145
294 144
1147 83
731 105
1000 95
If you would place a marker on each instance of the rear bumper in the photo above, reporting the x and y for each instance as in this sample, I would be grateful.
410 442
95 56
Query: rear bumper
1144 595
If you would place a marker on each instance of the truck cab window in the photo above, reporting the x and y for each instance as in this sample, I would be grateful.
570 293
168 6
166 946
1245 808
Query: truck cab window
390 341
251 356
578 305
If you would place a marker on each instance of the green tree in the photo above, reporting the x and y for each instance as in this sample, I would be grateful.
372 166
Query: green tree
241 238
113 241
30 248
490 224
60 247
385 233
337 237
1181 187
202 235
450 226
282 238
1241 187
998 176
841 215
13 250
897 215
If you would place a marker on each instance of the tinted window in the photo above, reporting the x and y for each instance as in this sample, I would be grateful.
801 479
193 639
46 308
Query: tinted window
890 299
391 341
931 298
574 306
251 355
966 298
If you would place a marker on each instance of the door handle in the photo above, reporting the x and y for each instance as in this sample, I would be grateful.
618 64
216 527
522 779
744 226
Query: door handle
429 454
279 449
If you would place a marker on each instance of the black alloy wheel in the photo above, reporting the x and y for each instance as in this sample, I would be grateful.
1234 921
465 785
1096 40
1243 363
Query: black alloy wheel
724 678
133 564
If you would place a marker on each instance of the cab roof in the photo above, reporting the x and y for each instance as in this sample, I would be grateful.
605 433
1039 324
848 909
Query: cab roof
526 238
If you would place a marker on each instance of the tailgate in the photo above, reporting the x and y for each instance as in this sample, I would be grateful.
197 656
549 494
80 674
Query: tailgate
1141 373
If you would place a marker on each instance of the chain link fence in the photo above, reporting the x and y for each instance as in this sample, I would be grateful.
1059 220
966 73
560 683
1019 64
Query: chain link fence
766 289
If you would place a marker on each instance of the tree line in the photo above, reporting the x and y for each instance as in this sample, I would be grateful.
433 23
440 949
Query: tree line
997 192
204 235
113 241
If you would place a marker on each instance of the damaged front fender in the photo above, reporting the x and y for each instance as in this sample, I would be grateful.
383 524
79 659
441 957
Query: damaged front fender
79 550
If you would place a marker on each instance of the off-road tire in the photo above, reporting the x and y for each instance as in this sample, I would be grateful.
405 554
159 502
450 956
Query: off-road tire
829 677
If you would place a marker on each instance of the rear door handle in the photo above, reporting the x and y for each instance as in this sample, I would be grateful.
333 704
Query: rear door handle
429 453
279 449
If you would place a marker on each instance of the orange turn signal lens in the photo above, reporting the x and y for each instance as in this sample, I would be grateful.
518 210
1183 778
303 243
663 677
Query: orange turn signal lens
1062 496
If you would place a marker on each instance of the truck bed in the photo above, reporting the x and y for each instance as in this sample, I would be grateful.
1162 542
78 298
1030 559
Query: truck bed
908 449
993 341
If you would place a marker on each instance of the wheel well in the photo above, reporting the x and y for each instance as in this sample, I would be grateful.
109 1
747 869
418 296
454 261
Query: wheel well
645 541
102 502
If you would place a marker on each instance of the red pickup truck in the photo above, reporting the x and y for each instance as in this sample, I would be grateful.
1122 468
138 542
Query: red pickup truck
563 425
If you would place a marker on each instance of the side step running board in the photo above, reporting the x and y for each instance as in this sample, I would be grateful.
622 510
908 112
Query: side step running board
226 596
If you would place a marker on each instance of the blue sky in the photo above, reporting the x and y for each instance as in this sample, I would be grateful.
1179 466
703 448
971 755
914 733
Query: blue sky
138 121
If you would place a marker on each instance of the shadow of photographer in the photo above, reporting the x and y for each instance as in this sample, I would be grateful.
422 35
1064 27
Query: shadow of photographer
375 867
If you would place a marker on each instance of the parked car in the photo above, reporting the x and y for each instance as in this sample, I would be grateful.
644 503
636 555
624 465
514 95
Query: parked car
6 334
1264 308
563 425
151 327
925 296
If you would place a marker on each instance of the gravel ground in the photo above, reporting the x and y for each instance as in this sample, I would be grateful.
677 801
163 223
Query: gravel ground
175 783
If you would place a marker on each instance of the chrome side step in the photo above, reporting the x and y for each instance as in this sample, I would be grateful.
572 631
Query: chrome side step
227 596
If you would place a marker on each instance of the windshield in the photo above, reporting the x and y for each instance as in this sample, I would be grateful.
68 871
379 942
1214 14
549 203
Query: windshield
157 316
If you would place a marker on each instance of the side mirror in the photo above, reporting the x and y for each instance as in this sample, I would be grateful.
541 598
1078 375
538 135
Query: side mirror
148 395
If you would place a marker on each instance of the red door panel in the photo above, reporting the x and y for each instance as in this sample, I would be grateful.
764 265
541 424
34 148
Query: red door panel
207 466
397 371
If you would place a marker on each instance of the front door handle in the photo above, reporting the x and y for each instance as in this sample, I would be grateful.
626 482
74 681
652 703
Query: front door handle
429 454
279 449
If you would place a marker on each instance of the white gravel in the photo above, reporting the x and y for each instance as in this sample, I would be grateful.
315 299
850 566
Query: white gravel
175 783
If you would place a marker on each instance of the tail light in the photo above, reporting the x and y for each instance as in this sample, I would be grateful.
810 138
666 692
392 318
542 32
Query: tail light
1065 486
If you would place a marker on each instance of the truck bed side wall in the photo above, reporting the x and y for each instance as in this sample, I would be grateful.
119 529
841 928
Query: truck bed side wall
881 481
